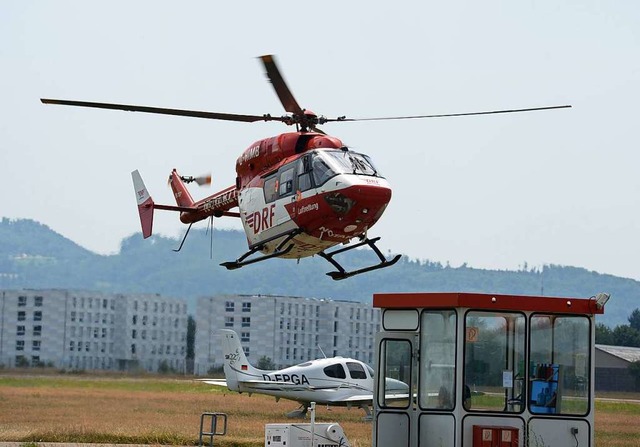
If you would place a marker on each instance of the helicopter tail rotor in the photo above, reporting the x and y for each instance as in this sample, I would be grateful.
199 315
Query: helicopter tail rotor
203 180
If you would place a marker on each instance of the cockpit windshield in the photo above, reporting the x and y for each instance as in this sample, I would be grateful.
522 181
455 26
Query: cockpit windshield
326 164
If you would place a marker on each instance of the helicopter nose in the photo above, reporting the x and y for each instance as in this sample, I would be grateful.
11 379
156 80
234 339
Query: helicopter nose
363 203
371 198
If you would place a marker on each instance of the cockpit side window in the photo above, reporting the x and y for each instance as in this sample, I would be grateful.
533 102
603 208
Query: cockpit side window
321 170
271 189
356 371
336 370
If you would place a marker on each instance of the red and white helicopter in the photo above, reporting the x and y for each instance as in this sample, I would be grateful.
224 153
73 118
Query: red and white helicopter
297 194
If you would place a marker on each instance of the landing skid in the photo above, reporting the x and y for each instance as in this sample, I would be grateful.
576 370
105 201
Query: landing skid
343 274
281 249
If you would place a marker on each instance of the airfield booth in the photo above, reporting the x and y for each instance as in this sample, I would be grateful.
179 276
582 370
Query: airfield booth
485 370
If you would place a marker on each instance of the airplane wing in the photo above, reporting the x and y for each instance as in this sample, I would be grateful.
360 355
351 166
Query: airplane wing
214 382
369 397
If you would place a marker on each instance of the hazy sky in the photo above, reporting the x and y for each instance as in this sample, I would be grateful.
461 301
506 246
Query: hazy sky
557 187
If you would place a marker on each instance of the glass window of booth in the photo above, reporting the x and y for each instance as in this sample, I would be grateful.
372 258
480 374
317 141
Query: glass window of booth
559 364
438 359
395 358
494 361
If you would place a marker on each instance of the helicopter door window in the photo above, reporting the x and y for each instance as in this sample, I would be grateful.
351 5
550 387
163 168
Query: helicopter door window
304 181
270 189
304 174
286 182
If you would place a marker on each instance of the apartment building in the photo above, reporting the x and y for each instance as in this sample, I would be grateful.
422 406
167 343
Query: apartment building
85 330
288 330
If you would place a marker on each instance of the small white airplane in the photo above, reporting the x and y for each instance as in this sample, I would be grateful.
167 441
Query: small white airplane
333 381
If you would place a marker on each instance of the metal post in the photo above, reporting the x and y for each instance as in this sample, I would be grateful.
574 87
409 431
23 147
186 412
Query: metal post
313 422
213 427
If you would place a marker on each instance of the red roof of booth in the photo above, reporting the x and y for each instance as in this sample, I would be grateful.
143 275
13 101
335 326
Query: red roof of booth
487 301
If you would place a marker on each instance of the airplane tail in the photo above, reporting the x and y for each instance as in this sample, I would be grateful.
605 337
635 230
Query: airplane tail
236 366
180 192
145 204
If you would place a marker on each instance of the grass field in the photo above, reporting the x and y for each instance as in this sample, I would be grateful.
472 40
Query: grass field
152 410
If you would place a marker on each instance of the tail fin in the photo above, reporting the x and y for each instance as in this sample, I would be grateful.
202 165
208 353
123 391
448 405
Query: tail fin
236 366
145 204
180 192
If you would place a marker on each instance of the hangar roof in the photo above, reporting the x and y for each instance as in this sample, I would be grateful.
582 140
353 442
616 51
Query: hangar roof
624 352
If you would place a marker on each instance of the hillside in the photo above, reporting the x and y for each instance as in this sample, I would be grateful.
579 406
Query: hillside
34 256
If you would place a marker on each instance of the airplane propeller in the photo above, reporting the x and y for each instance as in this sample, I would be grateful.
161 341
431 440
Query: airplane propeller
304 119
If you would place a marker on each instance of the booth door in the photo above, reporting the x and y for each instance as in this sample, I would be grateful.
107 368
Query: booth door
395 390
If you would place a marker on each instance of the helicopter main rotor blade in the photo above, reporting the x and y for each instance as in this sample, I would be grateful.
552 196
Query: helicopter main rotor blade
532 109
163 111
286 97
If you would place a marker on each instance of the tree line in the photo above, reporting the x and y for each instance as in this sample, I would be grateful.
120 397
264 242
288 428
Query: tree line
622 334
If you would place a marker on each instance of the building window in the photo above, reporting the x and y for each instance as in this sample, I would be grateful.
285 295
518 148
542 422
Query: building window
133 334
229 306
246 321
38 301
244 337
71 345
228 321
37 331
37 315
35 360
22 315
133 348
22 301
20 331
246 307
246 350
35 345
19 345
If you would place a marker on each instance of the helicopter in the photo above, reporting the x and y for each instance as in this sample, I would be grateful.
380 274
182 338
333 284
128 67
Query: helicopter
297 194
